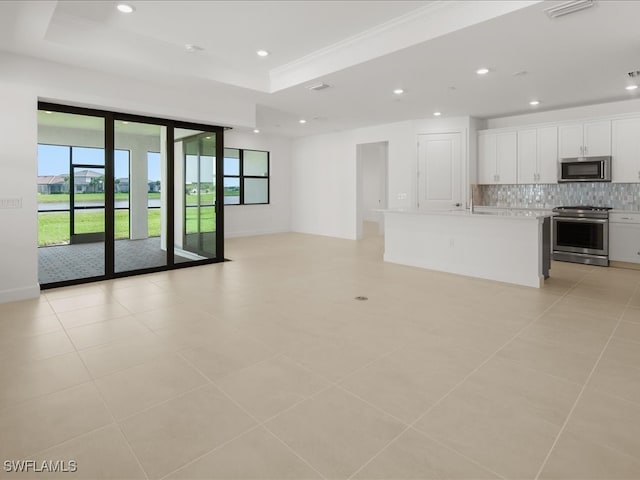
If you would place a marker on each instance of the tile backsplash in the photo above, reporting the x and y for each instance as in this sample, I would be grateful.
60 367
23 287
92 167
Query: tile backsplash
620 196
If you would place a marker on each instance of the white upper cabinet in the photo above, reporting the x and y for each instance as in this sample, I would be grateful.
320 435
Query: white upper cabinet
497 153
625 166
528 156
571 141
591 139
486 159
538 155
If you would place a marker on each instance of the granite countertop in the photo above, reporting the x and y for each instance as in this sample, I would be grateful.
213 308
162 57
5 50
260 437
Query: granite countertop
519 214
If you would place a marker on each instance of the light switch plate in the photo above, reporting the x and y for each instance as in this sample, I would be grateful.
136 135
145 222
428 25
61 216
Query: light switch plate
7 203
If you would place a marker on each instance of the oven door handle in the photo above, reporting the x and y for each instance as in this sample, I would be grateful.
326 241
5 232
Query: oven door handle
580 219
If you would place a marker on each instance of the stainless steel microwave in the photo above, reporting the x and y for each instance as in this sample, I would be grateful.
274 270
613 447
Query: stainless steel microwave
584 169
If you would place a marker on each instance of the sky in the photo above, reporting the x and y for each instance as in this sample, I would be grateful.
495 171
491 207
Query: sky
54 160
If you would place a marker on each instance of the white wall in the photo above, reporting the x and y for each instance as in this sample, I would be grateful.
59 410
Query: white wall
566 114
323 172
243 220
59 83
18 147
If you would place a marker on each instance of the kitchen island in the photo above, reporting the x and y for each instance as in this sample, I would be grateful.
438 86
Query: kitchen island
503 245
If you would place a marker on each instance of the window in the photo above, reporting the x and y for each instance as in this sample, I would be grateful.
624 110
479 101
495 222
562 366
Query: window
71 192
246 177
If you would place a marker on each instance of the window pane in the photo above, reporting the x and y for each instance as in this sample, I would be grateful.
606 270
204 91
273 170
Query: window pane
121 166
53 228
87 156
53 177
231 161
256 164
191 178
256 190
231 191
154 174
207 185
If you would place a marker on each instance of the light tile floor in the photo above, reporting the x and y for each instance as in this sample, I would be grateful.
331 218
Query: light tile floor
267 367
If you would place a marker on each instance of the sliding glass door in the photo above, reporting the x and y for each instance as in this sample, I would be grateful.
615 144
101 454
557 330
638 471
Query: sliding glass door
196 188
71 197
140 238
121 194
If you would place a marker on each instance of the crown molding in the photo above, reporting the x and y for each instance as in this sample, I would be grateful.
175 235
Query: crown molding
433 20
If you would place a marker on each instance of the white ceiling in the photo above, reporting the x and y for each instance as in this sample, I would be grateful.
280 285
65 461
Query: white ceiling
363 49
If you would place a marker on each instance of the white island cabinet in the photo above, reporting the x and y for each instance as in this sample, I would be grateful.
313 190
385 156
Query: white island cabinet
504 246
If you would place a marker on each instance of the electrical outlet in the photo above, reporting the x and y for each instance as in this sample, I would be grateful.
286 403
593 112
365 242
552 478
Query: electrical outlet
7 203
401 196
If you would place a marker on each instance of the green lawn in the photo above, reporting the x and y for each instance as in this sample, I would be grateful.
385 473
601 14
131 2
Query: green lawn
53 228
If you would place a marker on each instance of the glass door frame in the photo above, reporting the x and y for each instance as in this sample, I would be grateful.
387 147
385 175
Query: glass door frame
109 187
199 249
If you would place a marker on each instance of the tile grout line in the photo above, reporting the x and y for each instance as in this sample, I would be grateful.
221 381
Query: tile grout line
106 406
259 423
584 387
407 427
332 383
464 379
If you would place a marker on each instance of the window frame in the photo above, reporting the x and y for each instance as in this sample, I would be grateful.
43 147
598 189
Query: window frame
241 176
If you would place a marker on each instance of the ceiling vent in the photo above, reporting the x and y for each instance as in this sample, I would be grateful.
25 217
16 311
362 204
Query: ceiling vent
569 7
319 86
634 74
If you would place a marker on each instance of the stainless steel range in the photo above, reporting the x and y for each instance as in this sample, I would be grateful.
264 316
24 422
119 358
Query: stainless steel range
581 235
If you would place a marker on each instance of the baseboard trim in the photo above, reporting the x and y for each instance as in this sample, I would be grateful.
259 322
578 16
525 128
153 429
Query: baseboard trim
16 294
629 265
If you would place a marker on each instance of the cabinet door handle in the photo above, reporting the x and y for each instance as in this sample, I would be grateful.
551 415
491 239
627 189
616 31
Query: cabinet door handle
581 149
586 150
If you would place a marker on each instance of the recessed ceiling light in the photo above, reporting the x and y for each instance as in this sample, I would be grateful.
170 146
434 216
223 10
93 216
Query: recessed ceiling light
47 112
533 103
568 7
262 53
208 138
302 120
398 91
125 8
191 48
319 86
255 130
125 123
437 114
631 87
482 71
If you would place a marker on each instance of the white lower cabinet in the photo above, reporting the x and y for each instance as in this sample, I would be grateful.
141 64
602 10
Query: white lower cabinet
624 237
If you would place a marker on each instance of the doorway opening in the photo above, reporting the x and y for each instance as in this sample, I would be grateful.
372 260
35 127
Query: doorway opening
371 188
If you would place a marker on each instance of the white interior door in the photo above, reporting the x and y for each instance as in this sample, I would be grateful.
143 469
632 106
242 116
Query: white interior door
440 172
